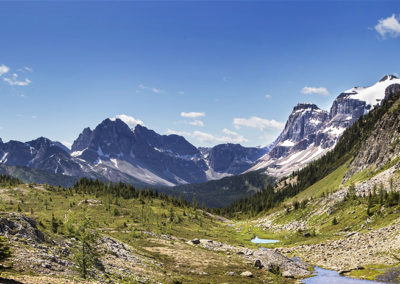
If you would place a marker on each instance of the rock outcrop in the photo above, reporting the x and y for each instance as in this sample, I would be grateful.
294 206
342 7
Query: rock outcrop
267 259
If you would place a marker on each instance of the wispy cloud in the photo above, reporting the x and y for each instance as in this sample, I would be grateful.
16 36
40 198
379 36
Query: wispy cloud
15 82
197 123
12 78
157 91
268 96
257 122
152 89
208 138
192 114
181 92
129 120
388 26
4 69
29 69
315 90
230 132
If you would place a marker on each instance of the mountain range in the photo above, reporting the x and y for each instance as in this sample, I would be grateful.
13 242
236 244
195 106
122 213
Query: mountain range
311 132
114 151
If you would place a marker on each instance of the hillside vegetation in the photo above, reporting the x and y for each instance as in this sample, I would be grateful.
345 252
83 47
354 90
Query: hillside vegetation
129 235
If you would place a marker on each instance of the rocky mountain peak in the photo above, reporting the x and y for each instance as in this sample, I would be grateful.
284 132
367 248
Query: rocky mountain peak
388 77
304 120
232 158
112 138
40 142
83 140
305 106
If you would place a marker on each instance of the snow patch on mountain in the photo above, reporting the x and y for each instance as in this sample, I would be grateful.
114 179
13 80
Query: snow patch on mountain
375 94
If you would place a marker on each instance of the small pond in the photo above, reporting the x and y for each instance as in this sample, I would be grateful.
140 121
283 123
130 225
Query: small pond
257 240
323 276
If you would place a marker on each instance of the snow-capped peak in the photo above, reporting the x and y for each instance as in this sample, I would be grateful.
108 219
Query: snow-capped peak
374 94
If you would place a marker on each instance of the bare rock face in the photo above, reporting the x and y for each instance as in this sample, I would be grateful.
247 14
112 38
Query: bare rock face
381 146
345 111
83 140
231 158
304 120
392 89
18 225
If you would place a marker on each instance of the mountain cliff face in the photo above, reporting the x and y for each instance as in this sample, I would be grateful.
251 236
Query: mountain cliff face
311 132
304 121
231 158
382 146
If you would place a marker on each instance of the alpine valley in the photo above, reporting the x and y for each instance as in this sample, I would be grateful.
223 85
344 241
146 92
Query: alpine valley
325 206
200 142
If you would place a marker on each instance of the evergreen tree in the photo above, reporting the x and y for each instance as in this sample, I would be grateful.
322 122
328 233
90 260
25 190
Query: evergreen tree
5 251
85 253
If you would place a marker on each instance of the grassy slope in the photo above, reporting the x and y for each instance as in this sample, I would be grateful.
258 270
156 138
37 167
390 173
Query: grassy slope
328 184
127 219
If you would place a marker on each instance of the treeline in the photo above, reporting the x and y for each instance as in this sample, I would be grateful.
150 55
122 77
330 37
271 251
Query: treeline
125 191
6 180
346 148
381 197
220 193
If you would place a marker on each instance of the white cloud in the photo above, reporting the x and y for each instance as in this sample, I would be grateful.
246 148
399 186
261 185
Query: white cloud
389 25
129 120
154 90
204 137
197 123
157 91
15 82
67 144
4 69
181 92
313 90
268 96
177 132
230 132
257 122
192 114
12 78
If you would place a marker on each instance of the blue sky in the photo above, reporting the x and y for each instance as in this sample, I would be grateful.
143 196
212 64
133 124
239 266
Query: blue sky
213 71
